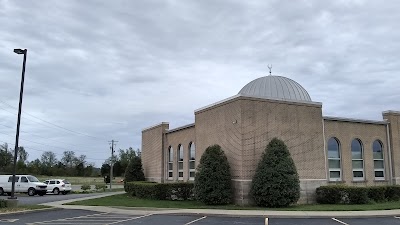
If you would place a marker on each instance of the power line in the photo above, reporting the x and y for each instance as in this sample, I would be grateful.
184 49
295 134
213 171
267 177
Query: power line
42 143
34 149
46 138
44 121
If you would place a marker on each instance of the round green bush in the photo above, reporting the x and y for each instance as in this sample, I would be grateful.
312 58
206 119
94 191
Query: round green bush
276 182
212 184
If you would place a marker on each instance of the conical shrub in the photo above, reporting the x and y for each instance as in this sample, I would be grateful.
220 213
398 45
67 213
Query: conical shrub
212 184
276 182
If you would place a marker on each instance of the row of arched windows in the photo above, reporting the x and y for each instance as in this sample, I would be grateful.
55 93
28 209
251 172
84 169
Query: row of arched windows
357 160
180 160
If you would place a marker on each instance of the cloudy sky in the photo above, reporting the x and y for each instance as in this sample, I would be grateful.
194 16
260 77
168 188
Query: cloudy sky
103 70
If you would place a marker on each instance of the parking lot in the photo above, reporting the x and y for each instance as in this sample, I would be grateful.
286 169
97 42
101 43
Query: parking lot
85 217
24 199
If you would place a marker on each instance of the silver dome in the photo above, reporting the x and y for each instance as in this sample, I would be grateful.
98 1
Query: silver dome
275 87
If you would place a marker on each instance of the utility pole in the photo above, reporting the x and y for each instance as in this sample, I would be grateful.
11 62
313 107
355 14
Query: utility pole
112 162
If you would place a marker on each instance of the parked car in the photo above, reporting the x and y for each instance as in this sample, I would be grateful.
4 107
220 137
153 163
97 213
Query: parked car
23 183
57 186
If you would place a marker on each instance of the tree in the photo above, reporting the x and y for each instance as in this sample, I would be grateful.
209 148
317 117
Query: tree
117 169
125 156
80 163
68 158
134 170
6 158
276 182
34 167
212 184
48 159
22 155
105 169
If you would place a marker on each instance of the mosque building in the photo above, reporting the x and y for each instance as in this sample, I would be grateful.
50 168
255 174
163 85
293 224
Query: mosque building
326 150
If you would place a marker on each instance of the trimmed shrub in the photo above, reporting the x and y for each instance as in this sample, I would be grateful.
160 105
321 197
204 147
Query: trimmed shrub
98 187
3 203
212 184
330 194
377 193
134 171
85 187
357 195
180 191
340 194
276 182
161 191
393 193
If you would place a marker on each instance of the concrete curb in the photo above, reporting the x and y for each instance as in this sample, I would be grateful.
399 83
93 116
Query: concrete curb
236 213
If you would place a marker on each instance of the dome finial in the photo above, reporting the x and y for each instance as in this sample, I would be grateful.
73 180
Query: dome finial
270 69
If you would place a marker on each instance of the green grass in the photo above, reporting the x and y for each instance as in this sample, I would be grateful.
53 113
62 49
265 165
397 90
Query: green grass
125 200
23 208
81 180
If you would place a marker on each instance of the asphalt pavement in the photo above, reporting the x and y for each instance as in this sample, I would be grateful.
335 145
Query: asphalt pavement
99 215
24 199
85 217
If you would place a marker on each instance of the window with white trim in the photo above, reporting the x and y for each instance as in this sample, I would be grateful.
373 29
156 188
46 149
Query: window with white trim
192 161
180 162
335 171
379 165
170 163
357 157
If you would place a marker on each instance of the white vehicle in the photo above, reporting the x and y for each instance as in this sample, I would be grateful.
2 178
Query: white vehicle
58 185
23 183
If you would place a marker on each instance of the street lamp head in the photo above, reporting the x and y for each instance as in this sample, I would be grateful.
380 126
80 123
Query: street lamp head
20 51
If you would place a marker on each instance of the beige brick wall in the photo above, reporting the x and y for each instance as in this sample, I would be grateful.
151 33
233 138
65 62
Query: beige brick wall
393 118
152 152
174 139
346 132
221 125
244 126
298 125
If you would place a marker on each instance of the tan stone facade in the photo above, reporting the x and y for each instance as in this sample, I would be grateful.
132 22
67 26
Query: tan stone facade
244 125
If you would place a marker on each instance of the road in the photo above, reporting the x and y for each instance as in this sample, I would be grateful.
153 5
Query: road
83 217
24 199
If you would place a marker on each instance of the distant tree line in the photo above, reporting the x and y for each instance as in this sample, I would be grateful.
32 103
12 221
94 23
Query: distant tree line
69 164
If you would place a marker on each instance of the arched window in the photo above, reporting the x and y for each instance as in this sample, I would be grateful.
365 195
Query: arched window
379 168
180 162
335 172
192 160
170 163
357 159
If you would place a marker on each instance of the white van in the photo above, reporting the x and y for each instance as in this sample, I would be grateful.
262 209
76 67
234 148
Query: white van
23 183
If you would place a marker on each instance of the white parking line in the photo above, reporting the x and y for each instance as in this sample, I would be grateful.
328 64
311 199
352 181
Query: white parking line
134 218
48 221
194 221
93 219
340 221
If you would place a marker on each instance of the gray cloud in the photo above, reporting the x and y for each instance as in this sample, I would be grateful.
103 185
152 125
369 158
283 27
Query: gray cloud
109 69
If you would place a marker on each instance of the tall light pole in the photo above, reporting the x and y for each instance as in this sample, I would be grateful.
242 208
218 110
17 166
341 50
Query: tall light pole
21 93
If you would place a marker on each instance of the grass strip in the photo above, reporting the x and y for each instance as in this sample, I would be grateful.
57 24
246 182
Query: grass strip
125 200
